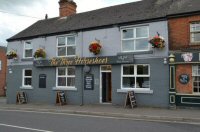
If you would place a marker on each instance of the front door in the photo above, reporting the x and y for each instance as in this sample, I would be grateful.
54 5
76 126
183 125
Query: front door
106 84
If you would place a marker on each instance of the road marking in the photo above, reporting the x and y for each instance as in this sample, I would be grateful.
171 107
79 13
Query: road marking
105 117
26 128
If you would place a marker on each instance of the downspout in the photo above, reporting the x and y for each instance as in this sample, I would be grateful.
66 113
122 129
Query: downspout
82 73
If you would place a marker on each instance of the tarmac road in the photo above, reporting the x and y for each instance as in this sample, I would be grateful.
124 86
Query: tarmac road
33 121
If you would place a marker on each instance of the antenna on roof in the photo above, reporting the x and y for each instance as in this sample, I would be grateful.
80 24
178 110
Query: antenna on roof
46 16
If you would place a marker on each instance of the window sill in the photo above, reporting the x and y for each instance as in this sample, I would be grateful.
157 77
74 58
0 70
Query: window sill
27 59
142 91
64 88
135 52
26 87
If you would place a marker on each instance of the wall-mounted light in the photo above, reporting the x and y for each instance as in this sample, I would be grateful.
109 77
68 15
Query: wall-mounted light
165 60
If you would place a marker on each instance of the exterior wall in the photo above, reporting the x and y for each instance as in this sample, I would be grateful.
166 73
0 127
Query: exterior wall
3 60
179 32
110 39
184 88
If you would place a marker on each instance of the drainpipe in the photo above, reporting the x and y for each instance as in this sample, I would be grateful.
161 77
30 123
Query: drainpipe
82 72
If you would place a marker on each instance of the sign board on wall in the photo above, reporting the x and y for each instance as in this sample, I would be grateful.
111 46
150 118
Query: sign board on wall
104 60
89 82
184 78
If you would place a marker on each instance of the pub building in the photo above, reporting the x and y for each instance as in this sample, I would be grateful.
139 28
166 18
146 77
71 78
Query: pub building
184 58
95 57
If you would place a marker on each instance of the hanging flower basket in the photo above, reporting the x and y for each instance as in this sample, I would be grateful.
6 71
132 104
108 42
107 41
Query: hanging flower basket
12 54
157 42
39 53
95 47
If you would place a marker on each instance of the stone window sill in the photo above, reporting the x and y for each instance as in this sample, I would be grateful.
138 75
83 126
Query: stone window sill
142 91
26 87
64 89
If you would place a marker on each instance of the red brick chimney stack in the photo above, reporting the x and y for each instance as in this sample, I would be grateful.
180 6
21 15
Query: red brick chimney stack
67 7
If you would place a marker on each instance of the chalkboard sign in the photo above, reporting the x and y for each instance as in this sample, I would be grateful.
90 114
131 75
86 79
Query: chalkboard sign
42 81
89 82
60 98
21 98
130 99
184 78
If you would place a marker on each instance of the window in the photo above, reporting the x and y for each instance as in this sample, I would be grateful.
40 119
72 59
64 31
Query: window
28 49
135 39
65 77
196 78
27 77
66 46
195 32
135 76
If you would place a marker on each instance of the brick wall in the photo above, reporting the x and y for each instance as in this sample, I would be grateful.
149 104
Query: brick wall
184 88
3 72
179 32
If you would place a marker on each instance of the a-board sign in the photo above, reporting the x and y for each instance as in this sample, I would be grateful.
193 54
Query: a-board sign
60 98
130 99
89 82
21 98
42 80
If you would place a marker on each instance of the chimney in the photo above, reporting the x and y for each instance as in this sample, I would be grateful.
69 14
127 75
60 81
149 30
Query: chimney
67 8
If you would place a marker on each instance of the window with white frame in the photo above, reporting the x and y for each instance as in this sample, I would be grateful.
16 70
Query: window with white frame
136 76
66 46
135 39
28 49
196 78
65 77
27 77
195 32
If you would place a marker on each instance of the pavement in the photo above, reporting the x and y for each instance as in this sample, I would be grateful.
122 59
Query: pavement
184 115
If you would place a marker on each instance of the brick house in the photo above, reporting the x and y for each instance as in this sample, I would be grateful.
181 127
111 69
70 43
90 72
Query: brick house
184 40
3 66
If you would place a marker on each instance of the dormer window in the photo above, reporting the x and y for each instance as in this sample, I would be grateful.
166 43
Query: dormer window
66 46
135 39
28 49
195 32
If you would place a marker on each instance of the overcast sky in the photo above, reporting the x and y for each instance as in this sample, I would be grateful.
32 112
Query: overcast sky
16 15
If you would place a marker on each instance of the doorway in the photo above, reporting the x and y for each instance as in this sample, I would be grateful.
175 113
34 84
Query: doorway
106 84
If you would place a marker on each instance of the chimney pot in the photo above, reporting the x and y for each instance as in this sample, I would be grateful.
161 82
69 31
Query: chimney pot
67 8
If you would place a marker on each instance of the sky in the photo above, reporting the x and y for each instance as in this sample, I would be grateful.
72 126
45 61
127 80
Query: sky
16 15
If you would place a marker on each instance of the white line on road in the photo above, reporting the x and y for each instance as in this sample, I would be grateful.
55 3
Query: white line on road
102 116
26 128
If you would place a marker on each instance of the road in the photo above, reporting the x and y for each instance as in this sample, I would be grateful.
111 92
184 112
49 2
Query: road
24 121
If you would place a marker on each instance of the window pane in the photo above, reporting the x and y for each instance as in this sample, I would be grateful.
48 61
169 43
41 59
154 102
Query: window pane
28 53
141 32
196 37
143 82
71 81
62 51
128 70
71 50
142 44
61 81
128 33
128 82
61 41
27 81
70 40
28 45
28 72
127 45
61 71
142 70
71 71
